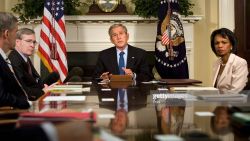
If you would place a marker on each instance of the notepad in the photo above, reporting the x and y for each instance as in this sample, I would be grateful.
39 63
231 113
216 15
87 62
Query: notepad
69 88
121 78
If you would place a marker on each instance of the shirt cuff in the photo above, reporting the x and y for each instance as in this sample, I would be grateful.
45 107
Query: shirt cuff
134 76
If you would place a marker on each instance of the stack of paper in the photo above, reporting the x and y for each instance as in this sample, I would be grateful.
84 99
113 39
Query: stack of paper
195 89
79 83
223 97
69 88
64 98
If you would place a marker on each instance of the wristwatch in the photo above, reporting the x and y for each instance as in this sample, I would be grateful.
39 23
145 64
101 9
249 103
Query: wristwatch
107 5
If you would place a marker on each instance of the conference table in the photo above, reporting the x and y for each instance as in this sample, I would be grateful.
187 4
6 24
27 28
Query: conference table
153 111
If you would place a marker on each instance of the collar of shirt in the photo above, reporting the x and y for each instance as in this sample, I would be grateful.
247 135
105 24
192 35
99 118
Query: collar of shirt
3 54
23 56
125 56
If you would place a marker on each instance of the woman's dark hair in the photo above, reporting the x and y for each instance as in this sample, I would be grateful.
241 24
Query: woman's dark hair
213 124
224 32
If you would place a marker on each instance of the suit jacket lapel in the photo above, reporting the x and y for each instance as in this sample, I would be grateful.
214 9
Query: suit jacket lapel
226 69
130 58
6 70
114 59
22 61
216 71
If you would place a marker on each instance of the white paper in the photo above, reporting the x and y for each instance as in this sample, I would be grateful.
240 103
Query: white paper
64 98
194 88
106 116
105 89
204 113
162 89
168 138
108 99
67 86
150 82
70 89
224 97
79 83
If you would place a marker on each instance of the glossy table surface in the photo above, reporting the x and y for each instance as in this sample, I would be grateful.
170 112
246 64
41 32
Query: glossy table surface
145 115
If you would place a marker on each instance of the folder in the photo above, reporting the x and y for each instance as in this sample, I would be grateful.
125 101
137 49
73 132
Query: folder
181 81
120 78
32 118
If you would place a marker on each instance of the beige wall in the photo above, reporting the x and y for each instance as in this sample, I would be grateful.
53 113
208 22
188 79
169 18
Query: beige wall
2 6
203 54
6 5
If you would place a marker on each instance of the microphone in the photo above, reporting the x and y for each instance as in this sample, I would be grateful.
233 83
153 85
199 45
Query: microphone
75 71
51 78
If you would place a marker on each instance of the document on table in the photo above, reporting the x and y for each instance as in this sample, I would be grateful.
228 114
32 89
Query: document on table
195 89
223 97
64 98
69 88
79 83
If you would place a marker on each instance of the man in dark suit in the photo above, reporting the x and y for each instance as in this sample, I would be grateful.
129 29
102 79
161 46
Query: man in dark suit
11 92
133 59
25 47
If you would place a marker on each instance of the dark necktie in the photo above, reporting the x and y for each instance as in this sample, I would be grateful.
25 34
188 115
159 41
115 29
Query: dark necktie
121 63
14 75
29 67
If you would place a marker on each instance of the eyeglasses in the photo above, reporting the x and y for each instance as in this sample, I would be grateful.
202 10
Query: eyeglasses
30 42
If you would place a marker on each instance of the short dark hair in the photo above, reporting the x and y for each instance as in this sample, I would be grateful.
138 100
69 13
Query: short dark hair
7 21
224 32
24 31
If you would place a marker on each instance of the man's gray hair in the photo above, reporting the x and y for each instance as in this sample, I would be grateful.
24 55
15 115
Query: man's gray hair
24 31
117 25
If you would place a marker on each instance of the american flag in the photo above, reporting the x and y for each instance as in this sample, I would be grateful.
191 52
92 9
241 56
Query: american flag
52 49
165 38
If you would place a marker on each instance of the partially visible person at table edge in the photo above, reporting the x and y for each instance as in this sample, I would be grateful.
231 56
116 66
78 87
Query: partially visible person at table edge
11 92
230 71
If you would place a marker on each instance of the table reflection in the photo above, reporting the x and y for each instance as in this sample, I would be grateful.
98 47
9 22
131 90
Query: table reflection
170 117
220 122
136 116
121 99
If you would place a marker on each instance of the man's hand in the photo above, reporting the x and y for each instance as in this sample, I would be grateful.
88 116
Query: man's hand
128 72
47 88
105 76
